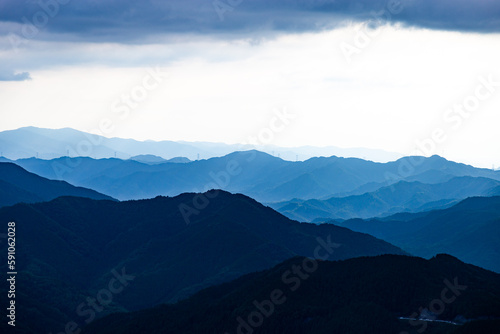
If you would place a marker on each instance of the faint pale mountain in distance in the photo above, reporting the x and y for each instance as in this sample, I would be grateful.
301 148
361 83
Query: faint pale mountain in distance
43 143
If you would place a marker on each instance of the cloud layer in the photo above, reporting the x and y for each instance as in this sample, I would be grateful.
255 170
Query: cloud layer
10 76
132 21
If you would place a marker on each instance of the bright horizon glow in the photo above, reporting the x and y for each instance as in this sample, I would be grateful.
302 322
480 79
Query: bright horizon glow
393 94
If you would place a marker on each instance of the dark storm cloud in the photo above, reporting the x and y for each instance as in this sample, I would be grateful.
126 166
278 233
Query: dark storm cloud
133 20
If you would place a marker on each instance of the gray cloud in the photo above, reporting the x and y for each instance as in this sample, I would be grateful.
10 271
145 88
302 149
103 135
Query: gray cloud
134 21
11 76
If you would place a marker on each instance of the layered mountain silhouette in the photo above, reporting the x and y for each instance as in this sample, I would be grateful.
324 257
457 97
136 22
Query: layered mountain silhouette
403 196
253 173
54 143
18 185
210 258
71 248
362 295
469 230
154 159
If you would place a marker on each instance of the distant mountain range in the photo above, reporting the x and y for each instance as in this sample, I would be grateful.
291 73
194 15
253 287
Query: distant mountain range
356 296
71 248
30 142
399 197
18 185
259 175
155 160
76 242
469 230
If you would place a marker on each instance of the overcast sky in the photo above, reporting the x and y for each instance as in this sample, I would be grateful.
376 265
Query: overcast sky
377 74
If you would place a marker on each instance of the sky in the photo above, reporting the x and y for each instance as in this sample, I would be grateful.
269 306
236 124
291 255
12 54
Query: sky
414 77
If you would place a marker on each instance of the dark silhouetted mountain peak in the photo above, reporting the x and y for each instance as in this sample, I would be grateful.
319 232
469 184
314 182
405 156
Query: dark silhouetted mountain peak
19 185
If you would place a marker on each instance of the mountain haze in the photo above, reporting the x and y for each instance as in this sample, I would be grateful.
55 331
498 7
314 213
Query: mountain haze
469 230
403 196
253 173
29 142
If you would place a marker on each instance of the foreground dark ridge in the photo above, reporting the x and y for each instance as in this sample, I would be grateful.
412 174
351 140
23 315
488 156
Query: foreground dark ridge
72 248
362 295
